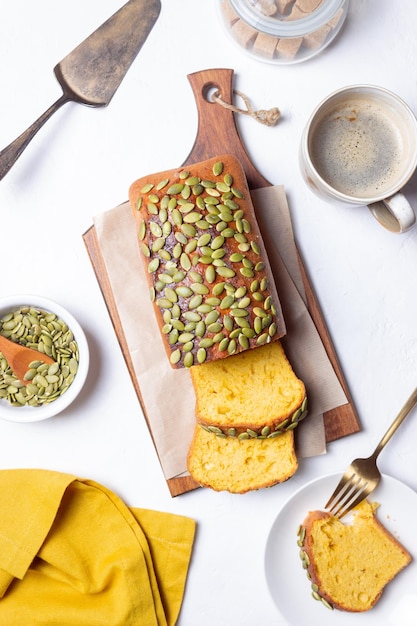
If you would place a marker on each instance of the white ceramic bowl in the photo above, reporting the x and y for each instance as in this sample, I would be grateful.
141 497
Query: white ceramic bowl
36 413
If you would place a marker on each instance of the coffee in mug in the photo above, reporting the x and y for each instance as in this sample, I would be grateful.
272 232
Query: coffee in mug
360 147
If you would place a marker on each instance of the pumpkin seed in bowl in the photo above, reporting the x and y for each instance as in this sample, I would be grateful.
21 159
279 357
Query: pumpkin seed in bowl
42 325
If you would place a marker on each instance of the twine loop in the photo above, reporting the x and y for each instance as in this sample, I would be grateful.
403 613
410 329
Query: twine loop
268 117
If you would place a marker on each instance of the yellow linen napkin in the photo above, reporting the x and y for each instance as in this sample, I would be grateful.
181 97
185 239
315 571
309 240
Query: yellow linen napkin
72 553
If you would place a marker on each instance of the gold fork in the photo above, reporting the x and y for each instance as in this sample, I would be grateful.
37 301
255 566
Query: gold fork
362 476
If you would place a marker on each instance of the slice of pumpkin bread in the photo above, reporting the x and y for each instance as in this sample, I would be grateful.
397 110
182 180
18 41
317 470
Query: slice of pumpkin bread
240 465
255 393
350 564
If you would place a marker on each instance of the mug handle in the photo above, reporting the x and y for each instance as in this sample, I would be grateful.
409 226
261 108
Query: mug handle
394 213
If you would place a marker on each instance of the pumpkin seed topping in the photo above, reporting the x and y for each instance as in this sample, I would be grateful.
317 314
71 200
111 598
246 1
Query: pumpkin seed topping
305 562
197 241
267 431
50 335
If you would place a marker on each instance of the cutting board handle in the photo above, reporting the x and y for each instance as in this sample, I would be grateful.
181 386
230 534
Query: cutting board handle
217 131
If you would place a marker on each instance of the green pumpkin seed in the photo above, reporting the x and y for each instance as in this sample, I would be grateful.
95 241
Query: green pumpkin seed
213 192
175 357
185 261
163 183
171 294
239 313
195 301
244 302
192 217
164 204
186 208
262 339
188 230
200 329
225 272
228 322
145 250
223 345
227 302
191 246
186 192
205 308
164 303
206 342
176 217
218 168
217 242
158 244
243 341
184 337
175 189
197 189
218 288
181 238
199 288
218 254
204 240
183 291
210 274
246 272
153 265
212 317
152 208
142 230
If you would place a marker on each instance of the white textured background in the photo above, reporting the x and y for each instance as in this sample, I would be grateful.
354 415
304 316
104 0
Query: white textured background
82 163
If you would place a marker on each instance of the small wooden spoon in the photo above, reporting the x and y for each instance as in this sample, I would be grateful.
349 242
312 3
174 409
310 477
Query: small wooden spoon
19 357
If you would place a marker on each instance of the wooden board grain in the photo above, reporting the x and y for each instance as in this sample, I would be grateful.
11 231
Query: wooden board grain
217 133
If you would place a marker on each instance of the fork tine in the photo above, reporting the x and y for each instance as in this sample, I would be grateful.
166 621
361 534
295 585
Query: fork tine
356 494
351 489
363 493
344 483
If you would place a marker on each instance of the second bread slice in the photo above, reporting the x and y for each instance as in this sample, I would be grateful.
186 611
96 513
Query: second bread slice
252 394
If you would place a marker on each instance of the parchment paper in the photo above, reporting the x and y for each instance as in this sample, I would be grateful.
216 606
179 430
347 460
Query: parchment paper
168 394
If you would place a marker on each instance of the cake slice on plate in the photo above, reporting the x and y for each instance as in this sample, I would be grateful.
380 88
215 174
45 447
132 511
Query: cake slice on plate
350 564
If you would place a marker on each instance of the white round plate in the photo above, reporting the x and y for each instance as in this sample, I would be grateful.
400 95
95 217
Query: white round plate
287 580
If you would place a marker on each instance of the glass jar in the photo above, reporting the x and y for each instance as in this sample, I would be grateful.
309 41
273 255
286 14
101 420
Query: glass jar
283 31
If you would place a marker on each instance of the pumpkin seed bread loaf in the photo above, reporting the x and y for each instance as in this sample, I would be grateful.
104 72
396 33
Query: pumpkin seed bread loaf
240 465
252 394
210 280
350 564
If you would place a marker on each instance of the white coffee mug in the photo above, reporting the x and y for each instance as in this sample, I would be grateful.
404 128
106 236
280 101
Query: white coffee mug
359 147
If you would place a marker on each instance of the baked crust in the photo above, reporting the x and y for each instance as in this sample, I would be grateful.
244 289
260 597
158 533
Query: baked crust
210 279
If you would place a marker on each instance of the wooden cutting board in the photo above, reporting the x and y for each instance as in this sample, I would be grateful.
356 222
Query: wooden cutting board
217 134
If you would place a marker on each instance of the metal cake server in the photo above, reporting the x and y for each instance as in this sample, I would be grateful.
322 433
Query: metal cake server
93 71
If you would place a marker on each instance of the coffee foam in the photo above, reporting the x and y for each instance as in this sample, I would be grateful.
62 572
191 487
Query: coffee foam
357 148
